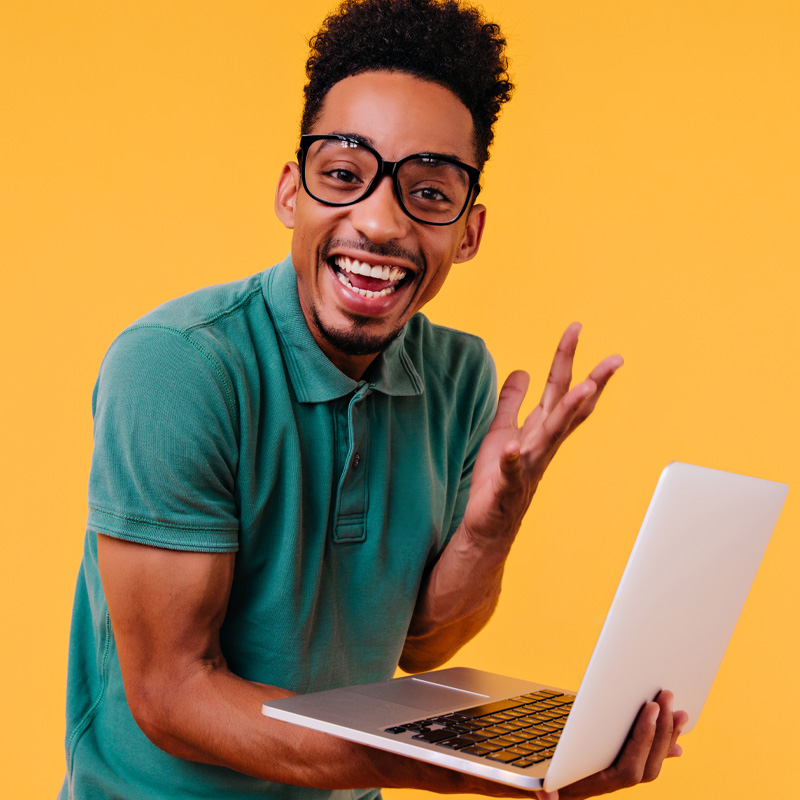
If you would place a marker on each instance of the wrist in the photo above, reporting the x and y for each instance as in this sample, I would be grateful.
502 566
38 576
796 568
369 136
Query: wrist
488 545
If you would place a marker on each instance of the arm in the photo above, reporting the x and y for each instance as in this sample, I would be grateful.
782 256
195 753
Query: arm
461 591
166 609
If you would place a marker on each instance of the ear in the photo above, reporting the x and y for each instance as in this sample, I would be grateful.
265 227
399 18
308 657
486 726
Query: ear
286 193
473 232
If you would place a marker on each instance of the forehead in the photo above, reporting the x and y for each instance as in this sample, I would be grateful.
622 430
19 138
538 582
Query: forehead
399 114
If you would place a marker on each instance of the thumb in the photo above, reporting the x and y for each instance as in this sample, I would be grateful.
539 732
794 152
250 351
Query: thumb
510 400
510 468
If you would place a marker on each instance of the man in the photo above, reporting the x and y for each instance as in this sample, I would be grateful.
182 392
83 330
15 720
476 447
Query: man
298 482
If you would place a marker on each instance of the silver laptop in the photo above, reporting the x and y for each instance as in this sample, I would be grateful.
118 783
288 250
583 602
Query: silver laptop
673 614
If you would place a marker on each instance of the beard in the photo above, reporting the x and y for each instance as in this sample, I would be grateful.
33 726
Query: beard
357 340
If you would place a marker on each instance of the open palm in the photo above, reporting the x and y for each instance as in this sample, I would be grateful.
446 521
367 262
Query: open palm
512 459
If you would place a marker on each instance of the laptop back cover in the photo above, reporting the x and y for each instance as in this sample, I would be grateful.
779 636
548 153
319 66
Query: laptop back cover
675 609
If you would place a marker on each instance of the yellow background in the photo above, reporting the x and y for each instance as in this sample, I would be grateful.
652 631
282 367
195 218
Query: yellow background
645 180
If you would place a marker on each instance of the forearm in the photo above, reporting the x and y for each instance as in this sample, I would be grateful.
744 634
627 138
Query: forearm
456 600
214 717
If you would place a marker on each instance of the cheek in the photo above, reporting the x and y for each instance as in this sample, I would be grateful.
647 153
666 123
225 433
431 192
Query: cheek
441 255
436 283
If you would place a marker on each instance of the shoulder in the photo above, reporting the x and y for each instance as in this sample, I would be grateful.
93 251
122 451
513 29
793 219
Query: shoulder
193 341
203 308
445 353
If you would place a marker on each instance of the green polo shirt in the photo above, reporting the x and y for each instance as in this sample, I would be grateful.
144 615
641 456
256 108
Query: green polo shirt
220 426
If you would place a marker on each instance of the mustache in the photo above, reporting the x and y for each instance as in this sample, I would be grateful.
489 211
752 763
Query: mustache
387 250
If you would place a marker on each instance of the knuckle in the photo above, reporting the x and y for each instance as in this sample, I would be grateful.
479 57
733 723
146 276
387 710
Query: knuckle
651 774
631 776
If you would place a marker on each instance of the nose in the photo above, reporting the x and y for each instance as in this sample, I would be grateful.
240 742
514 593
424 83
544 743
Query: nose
379 216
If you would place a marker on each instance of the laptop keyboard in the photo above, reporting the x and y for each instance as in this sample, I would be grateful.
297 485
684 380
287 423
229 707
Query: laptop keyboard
522 731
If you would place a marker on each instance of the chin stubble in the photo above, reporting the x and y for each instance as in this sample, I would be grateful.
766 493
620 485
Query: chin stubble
356 340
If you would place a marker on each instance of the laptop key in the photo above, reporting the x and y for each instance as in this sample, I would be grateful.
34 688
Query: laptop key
476 750
474 737
435 736
491 708
520 751
504 755
396 729
551 727
452 726
513 726
535 730
455 744
501 741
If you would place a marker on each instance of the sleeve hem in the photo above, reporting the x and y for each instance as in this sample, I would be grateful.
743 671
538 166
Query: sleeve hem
166 536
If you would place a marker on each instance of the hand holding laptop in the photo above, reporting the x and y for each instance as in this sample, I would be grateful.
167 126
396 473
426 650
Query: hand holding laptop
653 739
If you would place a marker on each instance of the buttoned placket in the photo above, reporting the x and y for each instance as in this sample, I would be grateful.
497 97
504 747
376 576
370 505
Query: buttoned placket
352 492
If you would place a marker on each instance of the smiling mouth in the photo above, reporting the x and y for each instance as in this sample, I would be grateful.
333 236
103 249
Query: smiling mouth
368 280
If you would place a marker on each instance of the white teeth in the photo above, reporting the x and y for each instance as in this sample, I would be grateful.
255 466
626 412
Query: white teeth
356 267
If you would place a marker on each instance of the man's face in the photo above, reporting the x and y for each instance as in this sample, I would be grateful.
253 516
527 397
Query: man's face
398 115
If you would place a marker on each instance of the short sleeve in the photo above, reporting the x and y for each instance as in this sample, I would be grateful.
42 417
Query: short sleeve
484 397
165 444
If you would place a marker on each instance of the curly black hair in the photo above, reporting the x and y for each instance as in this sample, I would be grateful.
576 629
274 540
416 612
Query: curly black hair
442 41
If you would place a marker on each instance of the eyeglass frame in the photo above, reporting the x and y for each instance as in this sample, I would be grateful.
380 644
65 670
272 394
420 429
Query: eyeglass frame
387 168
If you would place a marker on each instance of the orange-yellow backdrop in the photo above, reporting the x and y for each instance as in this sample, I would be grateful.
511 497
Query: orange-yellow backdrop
645 180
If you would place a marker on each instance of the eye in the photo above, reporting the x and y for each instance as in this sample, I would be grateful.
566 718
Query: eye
343 175
430 194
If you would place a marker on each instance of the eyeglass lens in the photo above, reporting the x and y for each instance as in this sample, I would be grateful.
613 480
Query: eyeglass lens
340 172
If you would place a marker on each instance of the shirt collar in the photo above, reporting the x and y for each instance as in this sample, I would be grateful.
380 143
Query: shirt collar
314 378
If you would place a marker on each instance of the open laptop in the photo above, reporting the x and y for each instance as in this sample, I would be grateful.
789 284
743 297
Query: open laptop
673 614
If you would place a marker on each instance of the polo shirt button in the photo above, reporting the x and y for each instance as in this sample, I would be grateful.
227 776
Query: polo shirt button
356 460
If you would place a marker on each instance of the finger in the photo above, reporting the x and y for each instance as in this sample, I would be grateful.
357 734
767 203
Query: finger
600 375
662 741
679 721
560 376
537 440
510 400
630 764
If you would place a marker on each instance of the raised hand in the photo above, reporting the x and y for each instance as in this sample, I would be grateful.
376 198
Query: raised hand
512 459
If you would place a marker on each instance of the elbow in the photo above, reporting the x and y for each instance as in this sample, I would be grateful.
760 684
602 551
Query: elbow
151 704
415 659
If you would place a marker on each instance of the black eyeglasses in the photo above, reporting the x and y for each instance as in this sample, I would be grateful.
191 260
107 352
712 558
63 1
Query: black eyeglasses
341 170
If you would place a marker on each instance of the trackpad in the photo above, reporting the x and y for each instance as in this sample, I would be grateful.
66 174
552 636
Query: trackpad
419 694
